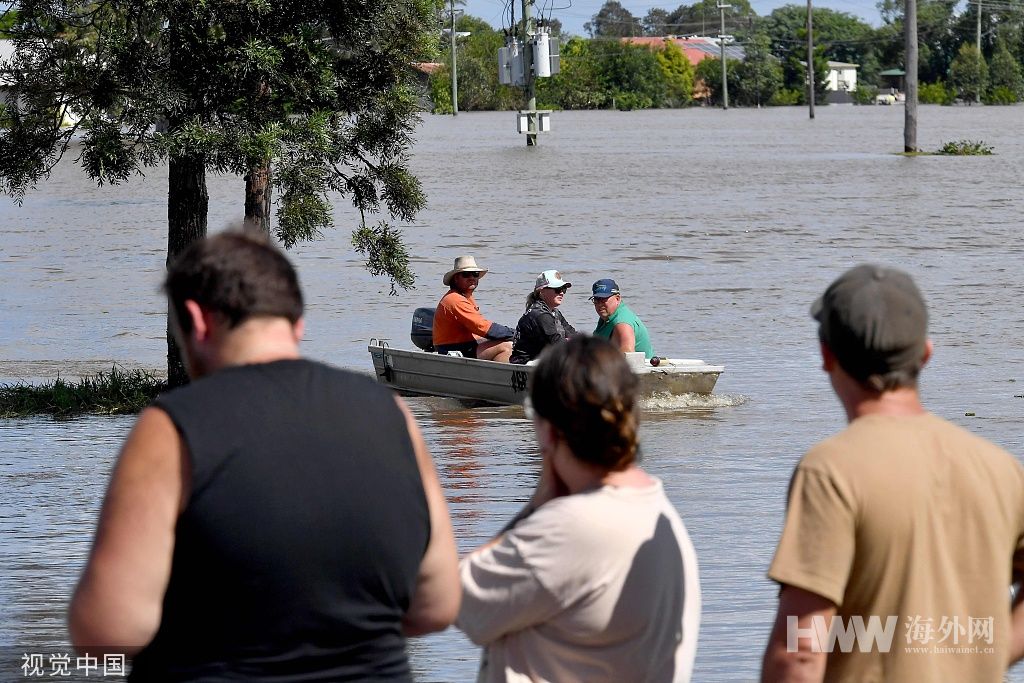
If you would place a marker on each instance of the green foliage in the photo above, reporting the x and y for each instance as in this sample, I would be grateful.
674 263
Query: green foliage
968 73
939 35
8 18
678 74
579 84
842 36
759 76
628 101
655 22
613 21
385 253
787 97
794 69
441 91
965 148
702 17
864 94
321 91
1005 76
118 392
710 72
1000 95
630 73
476 54
935 93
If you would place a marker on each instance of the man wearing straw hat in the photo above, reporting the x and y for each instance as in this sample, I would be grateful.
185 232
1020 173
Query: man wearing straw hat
458 325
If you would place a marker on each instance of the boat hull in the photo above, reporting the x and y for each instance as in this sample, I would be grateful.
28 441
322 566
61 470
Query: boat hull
432 374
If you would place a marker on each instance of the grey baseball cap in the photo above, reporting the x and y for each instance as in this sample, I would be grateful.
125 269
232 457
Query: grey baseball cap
874 320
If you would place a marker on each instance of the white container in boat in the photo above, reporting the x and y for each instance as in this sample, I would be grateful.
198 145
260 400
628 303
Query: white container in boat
636 358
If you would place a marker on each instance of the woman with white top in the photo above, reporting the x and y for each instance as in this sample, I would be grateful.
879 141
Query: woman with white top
595 579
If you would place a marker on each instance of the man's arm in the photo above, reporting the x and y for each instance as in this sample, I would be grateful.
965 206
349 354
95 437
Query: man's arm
470 318
802 666
549 328
435 603
570 331
1017 627
624 337
117 604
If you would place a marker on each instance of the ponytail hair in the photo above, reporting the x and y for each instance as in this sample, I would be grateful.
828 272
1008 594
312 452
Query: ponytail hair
586 389
531 298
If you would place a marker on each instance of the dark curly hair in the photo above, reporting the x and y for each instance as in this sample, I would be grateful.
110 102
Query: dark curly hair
238 275
586 389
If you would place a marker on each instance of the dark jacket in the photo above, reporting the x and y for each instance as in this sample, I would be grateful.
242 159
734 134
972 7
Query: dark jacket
538 327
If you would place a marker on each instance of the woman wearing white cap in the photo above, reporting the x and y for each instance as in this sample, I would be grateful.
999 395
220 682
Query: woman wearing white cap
543 323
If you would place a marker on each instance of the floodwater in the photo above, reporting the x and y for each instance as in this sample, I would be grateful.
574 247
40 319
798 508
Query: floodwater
720 227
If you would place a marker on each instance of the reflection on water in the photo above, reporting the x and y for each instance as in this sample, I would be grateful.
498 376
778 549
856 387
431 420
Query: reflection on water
720 227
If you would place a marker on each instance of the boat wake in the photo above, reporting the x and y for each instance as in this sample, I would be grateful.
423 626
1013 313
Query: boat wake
668 403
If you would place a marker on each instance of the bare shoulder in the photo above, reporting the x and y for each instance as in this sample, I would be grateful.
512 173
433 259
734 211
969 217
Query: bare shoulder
118 598
153 468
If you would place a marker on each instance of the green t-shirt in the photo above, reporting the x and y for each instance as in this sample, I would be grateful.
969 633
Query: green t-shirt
623 314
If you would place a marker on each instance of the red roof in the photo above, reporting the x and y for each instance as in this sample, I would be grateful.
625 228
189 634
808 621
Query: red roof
427 67
695 55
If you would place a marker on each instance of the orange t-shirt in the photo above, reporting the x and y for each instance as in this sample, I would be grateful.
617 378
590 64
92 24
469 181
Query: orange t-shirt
457 320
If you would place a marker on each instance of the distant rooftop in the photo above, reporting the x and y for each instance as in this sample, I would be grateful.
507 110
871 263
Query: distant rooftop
696 48
427 67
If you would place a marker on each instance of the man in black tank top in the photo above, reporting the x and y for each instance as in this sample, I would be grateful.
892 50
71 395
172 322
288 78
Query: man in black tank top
276 519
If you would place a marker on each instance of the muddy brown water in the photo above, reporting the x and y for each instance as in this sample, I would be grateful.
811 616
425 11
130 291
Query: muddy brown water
721 228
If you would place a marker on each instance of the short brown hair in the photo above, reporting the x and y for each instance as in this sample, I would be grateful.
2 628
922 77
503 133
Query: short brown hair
586 389
238 275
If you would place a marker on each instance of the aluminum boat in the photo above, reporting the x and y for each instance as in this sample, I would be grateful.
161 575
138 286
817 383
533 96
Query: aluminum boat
433 374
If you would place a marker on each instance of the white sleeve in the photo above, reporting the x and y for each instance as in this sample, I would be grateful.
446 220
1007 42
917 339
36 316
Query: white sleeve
500 590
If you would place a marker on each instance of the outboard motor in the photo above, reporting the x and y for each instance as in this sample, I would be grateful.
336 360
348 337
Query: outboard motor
423 329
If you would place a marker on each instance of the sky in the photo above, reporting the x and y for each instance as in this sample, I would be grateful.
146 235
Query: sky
574 13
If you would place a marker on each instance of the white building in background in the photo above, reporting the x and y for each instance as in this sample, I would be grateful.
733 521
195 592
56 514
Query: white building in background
842 77
6 52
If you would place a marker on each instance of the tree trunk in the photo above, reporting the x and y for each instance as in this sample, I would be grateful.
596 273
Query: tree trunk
910 96
187 205
257 197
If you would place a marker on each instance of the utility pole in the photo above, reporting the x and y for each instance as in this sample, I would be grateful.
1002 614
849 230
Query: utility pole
455 69
810 60
721 43
531 78
977 95
910 48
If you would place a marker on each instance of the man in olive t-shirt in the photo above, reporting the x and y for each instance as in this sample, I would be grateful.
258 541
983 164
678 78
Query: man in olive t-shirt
903 532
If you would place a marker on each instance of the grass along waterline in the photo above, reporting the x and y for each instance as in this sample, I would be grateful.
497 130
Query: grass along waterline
118 392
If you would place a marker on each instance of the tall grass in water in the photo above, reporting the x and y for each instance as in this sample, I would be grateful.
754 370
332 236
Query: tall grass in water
118 392
965 148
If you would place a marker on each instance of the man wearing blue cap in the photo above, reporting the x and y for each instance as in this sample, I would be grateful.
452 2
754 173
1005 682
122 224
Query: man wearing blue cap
618 322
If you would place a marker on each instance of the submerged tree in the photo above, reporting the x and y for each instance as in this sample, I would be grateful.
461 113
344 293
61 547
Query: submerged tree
759 77
320 91
969 73
579 84
1006 84
678 72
